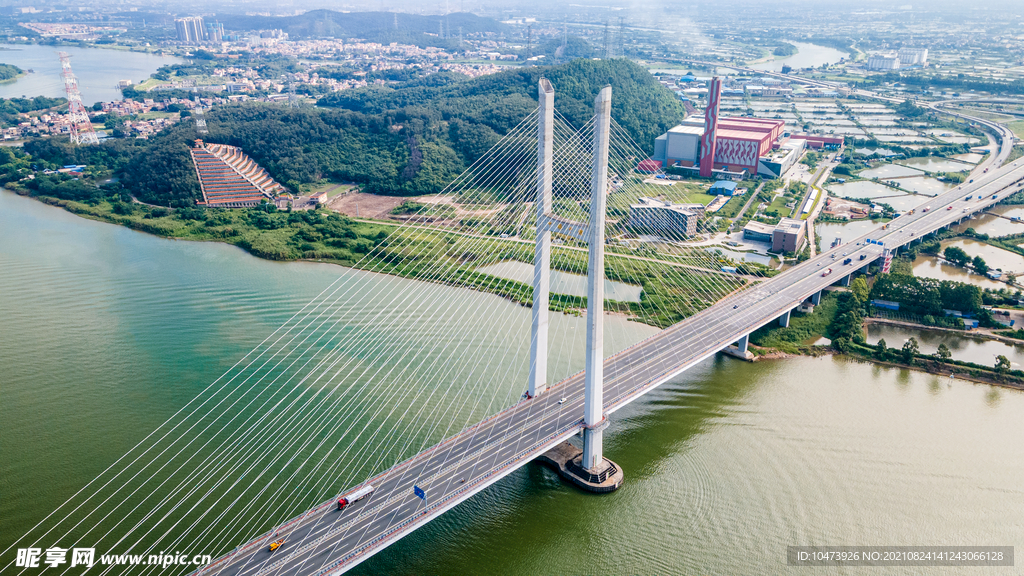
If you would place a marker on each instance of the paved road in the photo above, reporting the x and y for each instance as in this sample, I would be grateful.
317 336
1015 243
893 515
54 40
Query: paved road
327 541
739 215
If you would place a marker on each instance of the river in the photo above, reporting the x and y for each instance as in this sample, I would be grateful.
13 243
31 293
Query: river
107 331
807 56
98 70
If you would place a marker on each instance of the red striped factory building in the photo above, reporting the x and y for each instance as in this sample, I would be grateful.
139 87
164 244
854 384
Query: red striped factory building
738 145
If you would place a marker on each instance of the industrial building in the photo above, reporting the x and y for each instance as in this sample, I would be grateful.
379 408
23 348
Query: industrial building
657 216
758 231
818 142
190 30
883 62
740 144
775 163
913 56
730 147
723 188
788 236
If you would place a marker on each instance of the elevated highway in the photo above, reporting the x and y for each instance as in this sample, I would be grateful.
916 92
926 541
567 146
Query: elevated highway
327 541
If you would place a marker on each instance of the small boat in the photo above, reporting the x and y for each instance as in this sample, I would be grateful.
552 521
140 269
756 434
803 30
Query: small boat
276 544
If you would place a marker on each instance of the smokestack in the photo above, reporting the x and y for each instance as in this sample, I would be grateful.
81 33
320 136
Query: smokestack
709 140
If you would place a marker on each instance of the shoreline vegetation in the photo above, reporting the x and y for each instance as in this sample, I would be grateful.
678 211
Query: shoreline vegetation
10 73
411 138
841 317
384 247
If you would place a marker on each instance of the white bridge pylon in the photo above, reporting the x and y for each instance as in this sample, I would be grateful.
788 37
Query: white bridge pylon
591 232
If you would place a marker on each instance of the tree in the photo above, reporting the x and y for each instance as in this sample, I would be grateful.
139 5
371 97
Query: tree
909 350
943 352
881 351
1002 363
979 265
860 290
841 345
956 255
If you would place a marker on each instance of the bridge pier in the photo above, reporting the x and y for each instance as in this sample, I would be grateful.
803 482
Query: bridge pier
740 350
846 280
816 298
784 319
742 343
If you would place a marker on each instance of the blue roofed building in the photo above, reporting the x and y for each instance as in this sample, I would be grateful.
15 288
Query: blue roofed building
723 188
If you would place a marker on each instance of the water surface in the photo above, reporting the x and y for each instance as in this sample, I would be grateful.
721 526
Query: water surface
107 331
963 347
98 70
829 231
563 282
808 56
889 171
936 164
996 221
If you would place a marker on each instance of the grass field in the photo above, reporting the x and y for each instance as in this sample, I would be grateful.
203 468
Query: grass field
157 114
331 188
779 204
679 193
1018 128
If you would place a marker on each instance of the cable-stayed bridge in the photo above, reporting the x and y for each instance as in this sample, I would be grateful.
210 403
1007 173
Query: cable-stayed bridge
337 398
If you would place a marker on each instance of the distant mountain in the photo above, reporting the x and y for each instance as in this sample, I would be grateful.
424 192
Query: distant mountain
328 23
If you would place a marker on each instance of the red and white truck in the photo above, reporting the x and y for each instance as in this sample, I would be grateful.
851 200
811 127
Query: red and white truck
355 496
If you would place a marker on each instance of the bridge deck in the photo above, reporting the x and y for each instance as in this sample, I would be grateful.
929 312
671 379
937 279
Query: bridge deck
325 541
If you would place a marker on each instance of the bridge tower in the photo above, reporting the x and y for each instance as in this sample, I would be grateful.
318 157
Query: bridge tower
590 470
593 403
542 252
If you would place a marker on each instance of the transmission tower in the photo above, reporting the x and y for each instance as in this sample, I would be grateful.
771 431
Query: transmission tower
200 117
81 127
622 38
607 42
293 100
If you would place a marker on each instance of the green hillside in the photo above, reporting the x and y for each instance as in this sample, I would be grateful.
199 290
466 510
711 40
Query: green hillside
410 139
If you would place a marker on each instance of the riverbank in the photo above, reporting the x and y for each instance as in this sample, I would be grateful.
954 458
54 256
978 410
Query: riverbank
962 370
839 317
982 333
969 372
449 258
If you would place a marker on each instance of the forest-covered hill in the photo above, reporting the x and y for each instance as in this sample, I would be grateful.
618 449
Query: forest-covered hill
409 138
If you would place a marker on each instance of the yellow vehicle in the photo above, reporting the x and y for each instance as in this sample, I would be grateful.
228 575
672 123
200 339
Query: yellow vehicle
276 544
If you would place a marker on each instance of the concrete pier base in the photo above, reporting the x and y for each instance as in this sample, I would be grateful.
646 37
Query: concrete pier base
737 352
566 459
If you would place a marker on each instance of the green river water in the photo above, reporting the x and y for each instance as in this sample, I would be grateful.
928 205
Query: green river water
105 332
